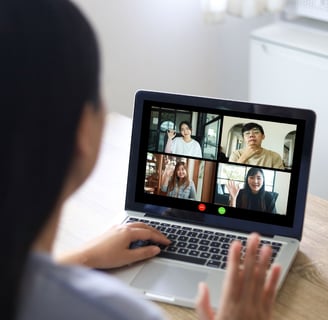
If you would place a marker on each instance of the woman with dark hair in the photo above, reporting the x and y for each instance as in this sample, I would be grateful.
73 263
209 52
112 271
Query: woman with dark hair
176 182
253 196
50 127
184 145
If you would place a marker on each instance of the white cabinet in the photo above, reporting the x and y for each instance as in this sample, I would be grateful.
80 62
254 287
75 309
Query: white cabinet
289 66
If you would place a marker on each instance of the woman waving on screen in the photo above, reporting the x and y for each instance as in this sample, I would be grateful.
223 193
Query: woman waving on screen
176 182
253 196
184 145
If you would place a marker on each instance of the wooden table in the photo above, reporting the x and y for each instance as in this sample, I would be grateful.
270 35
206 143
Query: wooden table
100 202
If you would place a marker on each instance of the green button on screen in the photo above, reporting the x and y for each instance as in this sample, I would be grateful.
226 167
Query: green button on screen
221 210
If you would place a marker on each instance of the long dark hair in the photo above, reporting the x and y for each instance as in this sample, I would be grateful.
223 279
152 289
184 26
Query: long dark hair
186 123
248 196
175 180
49 69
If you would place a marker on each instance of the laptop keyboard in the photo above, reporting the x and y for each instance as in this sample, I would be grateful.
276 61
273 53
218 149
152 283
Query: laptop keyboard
194 245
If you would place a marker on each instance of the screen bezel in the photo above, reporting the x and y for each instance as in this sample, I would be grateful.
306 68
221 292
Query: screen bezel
303 117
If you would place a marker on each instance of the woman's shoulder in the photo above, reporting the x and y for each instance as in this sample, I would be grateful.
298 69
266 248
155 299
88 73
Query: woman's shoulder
268 194
178 139
52 291
191 183
242 191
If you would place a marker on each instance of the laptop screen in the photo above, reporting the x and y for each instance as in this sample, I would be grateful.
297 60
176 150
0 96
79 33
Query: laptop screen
220 163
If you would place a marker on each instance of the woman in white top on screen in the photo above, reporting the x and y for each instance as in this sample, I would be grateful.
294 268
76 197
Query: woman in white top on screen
51 126
184 145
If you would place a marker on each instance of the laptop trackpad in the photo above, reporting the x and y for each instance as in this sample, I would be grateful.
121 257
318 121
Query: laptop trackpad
169 280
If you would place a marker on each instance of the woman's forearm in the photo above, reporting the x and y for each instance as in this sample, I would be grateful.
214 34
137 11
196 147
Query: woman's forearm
168 147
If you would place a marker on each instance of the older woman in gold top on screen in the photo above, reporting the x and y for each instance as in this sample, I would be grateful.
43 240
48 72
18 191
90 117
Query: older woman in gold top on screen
253 153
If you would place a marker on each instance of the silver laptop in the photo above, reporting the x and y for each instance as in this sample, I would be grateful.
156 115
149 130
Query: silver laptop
194 209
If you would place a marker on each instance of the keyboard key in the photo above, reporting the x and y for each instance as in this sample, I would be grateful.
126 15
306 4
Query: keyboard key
183 251
182 238
165 224
216 257
192 246
181 244
205 255
180 257
224 252
203 248
192 234
202 236
194 253
193 240
213 263
172 236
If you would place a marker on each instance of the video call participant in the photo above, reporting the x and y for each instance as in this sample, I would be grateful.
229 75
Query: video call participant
254 154
176 182
51 127
253 196
185 145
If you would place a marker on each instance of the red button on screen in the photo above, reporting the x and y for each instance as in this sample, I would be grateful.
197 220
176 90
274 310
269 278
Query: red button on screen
201 207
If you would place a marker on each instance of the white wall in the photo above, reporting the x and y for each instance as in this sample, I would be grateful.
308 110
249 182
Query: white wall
289 66
166 45
282 184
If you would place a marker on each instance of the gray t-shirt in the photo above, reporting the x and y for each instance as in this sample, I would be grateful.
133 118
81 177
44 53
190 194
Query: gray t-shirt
51 292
